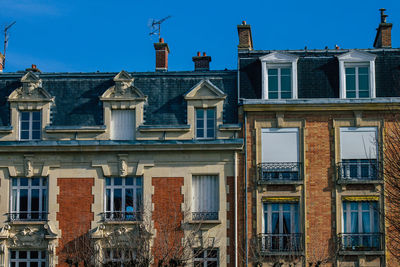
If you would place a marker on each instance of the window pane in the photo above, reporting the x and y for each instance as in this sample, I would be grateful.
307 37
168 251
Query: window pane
117 200
34 254
36 115
25 116
363 94
272 72
36 125
129 181
117 181
44 200
286 95
35 135
35 200
24 125
200 133
34 264
22 264
108 200
22 254
35 181
272 95
23 200
24 181
24 135
14 200
272 83
14 182
199 113
129 200
210 113
350 82
108 181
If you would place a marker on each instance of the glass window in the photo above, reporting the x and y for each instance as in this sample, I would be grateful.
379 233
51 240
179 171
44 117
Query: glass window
357 82
205 193
123 198
205 257
205 123
30 125
28 199
279 83
22 258
122 124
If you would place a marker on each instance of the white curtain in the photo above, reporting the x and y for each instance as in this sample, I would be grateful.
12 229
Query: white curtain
122 124
205 192
280 145
358 143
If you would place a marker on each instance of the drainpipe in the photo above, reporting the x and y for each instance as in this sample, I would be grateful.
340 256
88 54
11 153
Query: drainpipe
245 187
236 202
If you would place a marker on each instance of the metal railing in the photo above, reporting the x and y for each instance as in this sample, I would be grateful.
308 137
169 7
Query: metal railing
359 170
122 216
281 242
204 216
27 216
361 242
280 171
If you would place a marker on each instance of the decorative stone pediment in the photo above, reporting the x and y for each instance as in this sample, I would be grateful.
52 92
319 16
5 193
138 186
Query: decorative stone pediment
356 56
31 90
115 235
204 90
276 57
123 89
27 236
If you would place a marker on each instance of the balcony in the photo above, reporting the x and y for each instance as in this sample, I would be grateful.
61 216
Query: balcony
359 171
27 216
366 243
120 216
204 216
280 172
281 243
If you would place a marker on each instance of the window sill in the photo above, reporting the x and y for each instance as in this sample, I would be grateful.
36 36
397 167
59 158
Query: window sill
121 222
23 222
205 222
282 253
359 181
362 252
6 129
280 182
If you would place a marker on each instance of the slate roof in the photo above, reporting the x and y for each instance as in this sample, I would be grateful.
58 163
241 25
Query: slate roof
318 72
77 95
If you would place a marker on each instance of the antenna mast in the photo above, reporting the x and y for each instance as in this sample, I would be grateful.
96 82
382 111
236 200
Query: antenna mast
6 28
156 26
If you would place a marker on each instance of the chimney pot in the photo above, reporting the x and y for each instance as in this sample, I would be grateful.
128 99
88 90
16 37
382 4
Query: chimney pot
161 40
243 22
383 38
201 62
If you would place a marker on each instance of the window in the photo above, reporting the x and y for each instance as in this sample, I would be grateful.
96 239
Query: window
357 75
205 123
123 199
279 76
122 124
28 199
358 154
119 257
360 225
281 227
205 257
23 258
205 192
30 125
279 83
357 82
280 154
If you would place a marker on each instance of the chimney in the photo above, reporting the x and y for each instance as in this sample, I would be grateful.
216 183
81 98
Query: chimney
162 51
245 39
201 62
1 62
33 68
383 37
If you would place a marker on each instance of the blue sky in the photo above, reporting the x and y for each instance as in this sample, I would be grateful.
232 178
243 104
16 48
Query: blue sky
88 36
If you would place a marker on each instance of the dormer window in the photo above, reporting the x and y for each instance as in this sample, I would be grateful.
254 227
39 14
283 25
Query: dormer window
30 125
357 75
279 76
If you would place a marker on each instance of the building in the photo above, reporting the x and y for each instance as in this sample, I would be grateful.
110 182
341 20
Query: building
314 123
89 159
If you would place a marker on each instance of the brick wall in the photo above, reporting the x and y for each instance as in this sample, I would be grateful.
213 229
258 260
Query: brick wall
167 217
231 217
75 215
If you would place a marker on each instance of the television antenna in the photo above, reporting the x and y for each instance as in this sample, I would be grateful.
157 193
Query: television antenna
6 35
156 26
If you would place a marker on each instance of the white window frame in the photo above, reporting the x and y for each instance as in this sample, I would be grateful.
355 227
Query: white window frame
112 187
30 121
202 258
267 214
347 228
28 259
205 123
356 59
215 190
43 191
279 60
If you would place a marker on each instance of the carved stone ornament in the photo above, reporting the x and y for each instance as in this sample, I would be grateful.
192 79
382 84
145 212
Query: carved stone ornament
31 89
28 166
123 167
123 89
28 238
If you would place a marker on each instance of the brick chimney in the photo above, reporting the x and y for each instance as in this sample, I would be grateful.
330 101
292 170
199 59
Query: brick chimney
1 62
33 68
162 51
245 39
383 37
201 62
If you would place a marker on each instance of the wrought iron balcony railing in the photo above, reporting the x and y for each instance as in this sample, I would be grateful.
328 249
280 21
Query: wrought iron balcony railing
359 170
280 171
281 242
361 242
204 216
27 216
122 216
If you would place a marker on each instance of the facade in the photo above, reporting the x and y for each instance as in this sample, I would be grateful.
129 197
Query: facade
314 127
89 159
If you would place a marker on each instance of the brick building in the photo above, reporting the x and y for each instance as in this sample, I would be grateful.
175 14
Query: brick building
314 122
89 159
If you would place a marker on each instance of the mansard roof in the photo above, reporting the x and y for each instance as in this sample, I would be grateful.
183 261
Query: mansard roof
77 95
318 71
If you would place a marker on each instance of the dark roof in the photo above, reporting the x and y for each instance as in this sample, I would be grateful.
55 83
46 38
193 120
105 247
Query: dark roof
318 72
77 95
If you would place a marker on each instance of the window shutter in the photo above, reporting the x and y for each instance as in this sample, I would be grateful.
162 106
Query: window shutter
358 143
280 145
122 124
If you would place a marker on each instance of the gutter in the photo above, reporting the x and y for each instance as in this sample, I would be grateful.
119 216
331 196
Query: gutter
245 187
236 208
